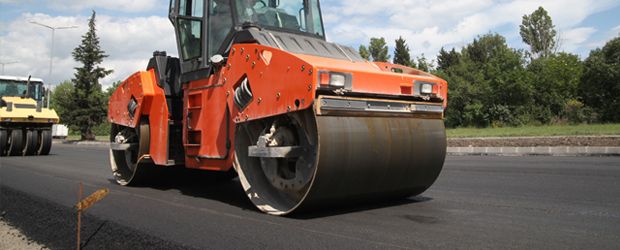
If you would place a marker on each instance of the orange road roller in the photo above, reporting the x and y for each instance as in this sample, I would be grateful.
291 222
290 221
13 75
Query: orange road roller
257 90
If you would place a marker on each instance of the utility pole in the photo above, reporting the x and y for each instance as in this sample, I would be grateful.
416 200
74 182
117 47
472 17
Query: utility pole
49 84
6 63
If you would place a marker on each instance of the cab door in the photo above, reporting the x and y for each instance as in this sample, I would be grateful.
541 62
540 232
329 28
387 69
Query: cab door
188 19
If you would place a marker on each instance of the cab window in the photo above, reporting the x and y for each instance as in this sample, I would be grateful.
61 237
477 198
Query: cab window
190 28
220 24
301 16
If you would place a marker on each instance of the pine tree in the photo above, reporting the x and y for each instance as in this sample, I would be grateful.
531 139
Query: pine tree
379 50
364 52
537 31
88 107
447 59
424 64
401 53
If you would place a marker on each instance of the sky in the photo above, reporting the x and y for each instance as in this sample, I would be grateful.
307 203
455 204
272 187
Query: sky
131 30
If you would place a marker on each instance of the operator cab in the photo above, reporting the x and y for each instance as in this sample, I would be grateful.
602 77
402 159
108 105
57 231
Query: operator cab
205 28
19 87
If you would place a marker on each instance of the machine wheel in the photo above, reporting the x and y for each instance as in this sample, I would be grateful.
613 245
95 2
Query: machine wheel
278 173
127 154
44 143
4 137
31 140
16 143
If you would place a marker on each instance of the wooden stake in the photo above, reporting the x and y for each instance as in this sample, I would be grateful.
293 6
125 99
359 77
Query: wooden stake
79 217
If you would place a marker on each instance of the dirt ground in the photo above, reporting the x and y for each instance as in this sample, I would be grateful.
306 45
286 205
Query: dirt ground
580 141
11 238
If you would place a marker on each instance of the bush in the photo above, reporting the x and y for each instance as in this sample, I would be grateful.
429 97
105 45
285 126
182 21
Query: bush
576 112
600 83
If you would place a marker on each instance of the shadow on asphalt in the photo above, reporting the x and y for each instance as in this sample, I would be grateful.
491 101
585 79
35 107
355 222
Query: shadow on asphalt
354 207
225 187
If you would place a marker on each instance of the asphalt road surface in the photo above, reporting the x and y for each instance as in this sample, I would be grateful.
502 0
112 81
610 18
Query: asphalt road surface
478 202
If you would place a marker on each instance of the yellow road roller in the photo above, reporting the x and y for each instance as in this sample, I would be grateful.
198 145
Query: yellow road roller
25 124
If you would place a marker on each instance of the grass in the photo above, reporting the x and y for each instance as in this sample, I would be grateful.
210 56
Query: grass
550 130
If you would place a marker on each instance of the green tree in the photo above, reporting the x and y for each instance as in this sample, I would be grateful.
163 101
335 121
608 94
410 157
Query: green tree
110 90
401 53
600 83
537 31
379 50
488 86
61 99
364 52
447 59
88 107
423 64
555 81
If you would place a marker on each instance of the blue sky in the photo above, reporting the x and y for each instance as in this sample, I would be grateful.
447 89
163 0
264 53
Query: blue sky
131 30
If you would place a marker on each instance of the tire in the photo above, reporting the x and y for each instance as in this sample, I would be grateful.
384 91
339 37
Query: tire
45 142
16 143
32 142
4 138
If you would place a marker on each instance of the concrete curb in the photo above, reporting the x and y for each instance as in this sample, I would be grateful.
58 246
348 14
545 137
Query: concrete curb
101 144
541 151
461 151
532 137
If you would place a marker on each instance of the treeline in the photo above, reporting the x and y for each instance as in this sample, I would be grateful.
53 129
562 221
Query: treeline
491 84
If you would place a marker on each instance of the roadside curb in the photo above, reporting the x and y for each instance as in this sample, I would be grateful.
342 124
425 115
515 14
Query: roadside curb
462 151
531 137
535 151
102 144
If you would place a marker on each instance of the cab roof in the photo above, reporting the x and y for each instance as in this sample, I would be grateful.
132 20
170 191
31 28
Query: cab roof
20 79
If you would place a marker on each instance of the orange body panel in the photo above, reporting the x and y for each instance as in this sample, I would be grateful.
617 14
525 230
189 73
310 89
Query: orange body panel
370 78
280 82
151 101
443 86
207 132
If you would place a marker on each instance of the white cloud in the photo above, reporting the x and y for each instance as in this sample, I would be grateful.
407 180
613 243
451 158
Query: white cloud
429 25
129 42
575 38
117 5
599 43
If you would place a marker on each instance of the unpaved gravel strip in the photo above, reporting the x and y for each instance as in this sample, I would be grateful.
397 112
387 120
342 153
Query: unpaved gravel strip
54 226
13 239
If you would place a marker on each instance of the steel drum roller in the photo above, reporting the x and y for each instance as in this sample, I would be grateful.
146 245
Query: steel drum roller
352 159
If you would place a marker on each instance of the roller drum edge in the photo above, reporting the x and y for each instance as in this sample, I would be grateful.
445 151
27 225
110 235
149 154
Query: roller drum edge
367 158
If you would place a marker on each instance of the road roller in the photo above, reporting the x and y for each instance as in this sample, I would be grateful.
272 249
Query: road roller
258 91
25 124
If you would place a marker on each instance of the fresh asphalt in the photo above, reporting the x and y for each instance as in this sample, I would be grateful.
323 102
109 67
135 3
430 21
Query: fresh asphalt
478 202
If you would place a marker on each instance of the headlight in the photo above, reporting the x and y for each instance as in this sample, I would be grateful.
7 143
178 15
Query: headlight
426 88
335 79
